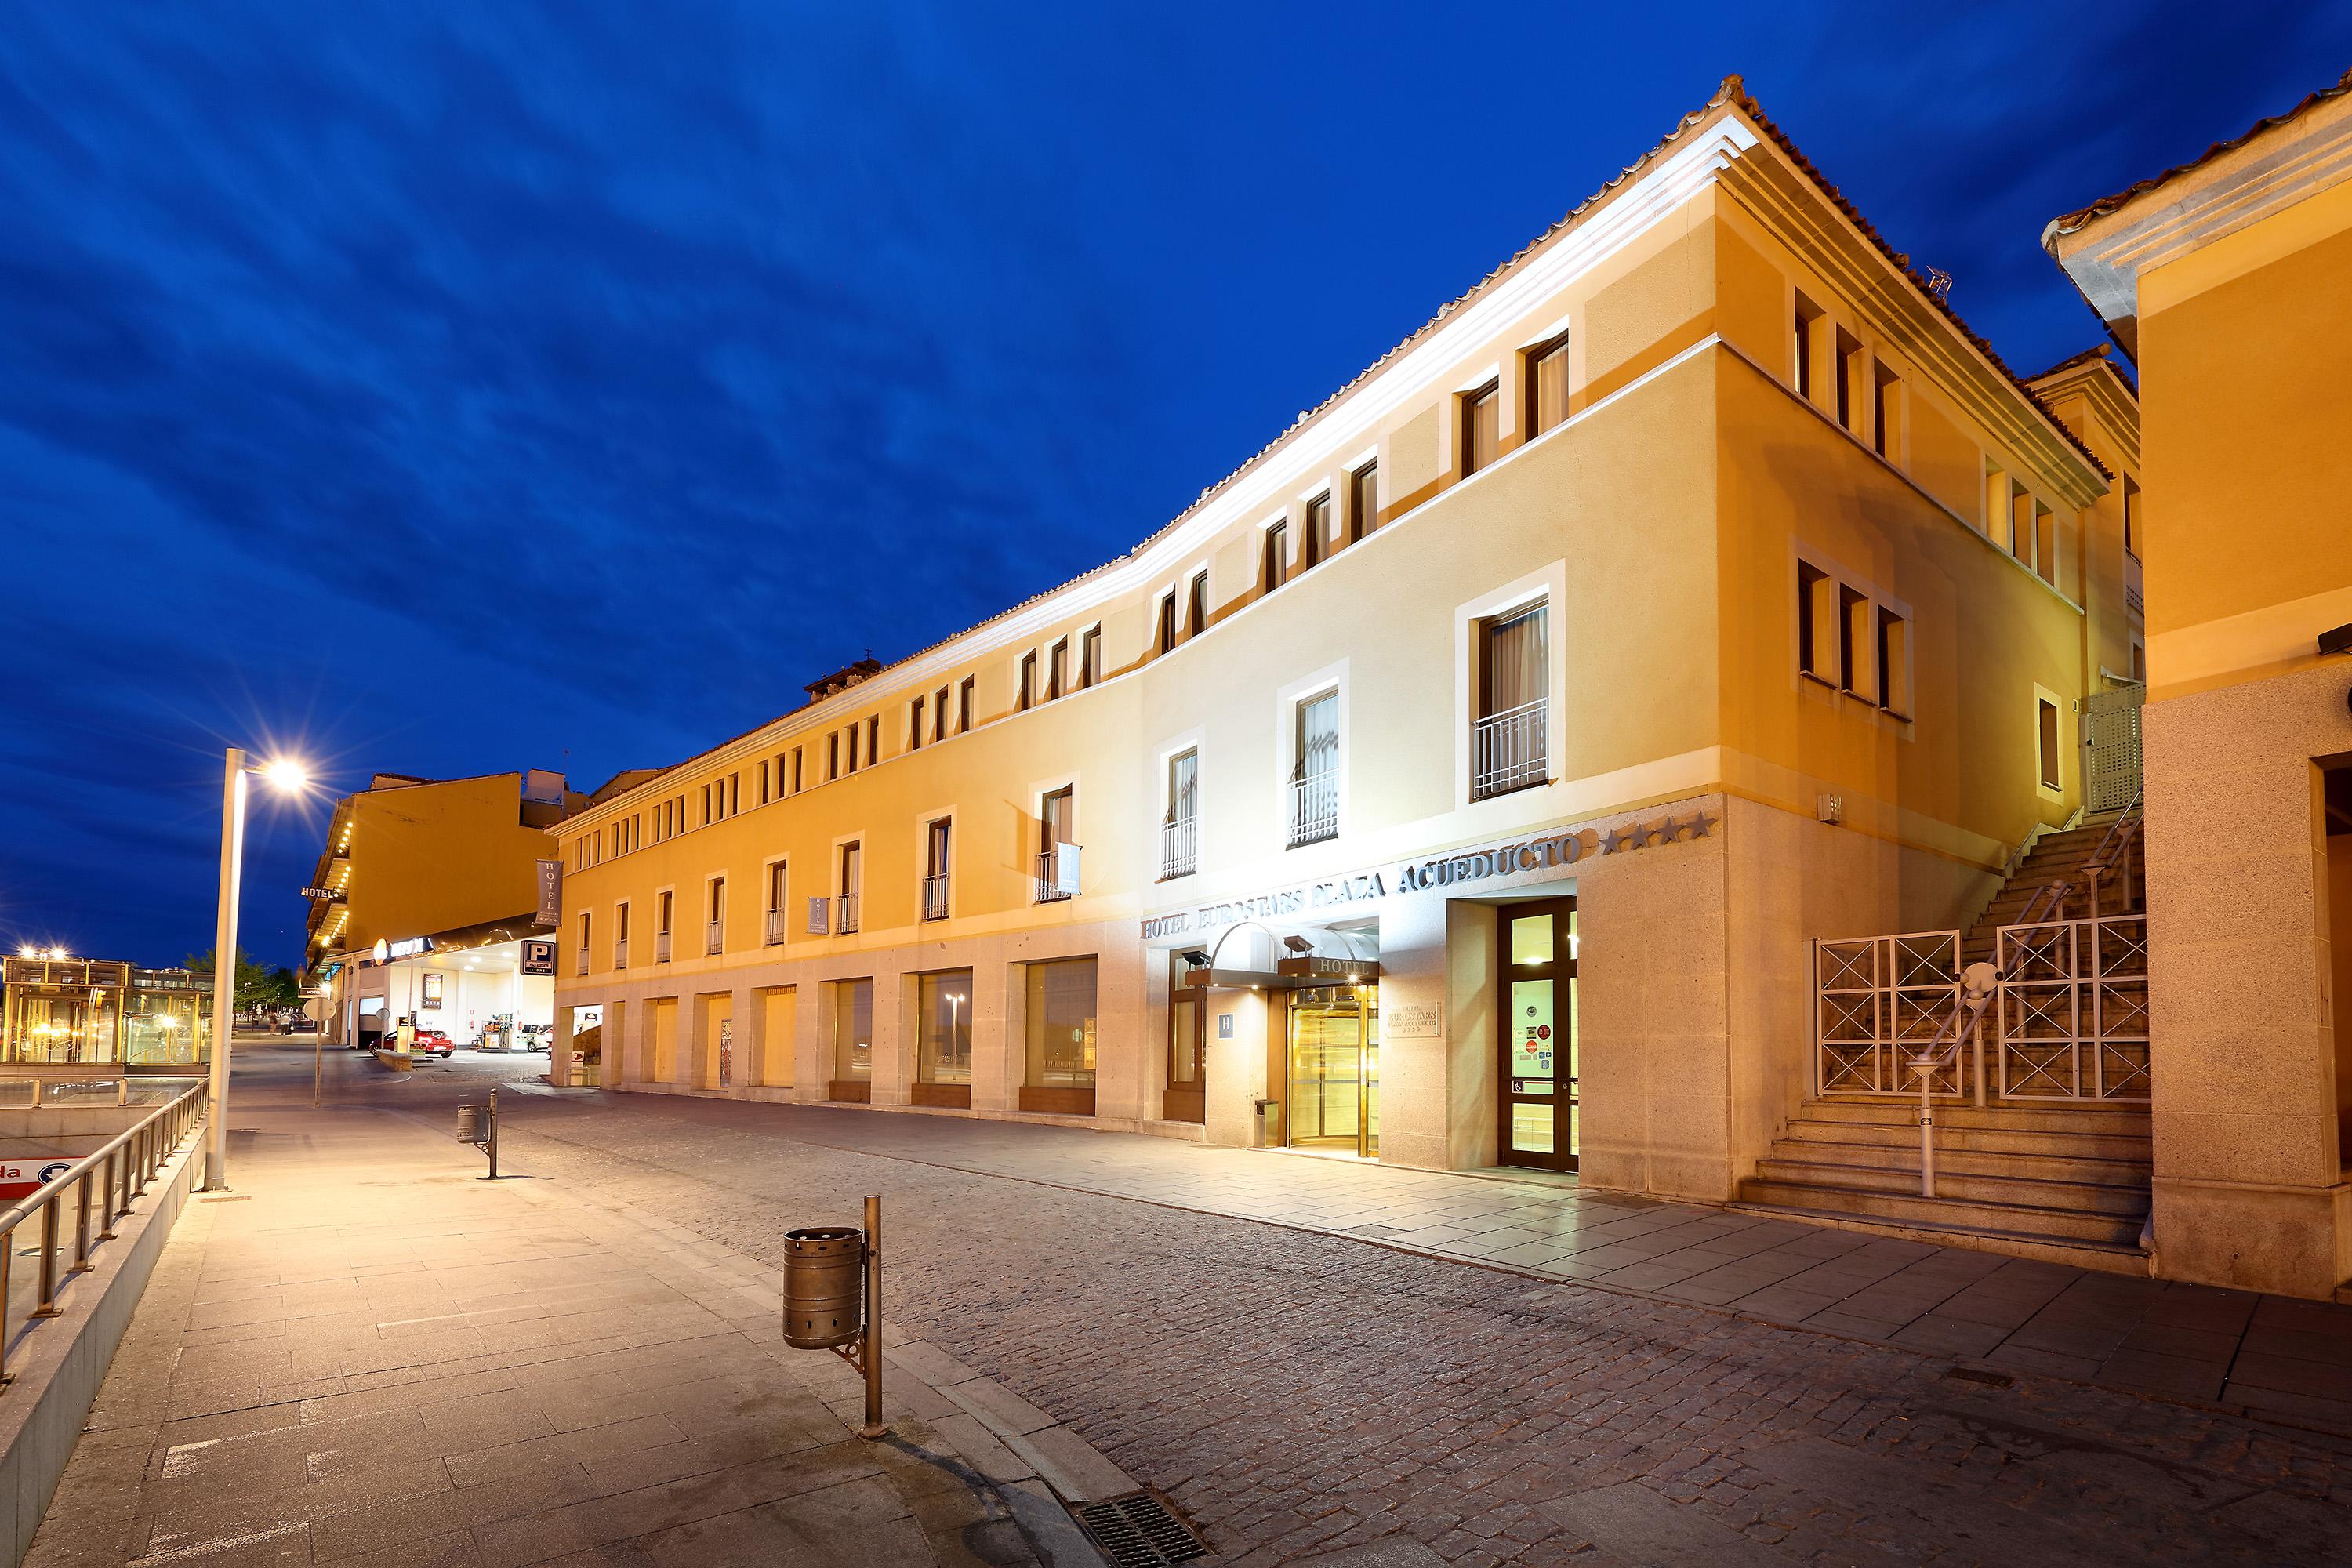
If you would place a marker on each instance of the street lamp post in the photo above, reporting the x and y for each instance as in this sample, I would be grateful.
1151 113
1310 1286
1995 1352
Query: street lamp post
286 777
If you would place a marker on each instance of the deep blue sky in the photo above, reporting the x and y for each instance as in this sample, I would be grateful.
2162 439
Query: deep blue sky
450 389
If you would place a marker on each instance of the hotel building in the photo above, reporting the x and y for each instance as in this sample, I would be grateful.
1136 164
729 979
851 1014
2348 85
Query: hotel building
1466 779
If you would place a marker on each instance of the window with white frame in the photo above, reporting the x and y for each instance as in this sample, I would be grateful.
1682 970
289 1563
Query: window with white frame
1315 770
1510 745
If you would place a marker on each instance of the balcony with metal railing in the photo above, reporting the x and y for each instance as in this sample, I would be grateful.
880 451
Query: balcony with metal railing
661 948
621 953
935 897
714 937
777 927
844 910
1049 880
1511 750
1314 808
1180 848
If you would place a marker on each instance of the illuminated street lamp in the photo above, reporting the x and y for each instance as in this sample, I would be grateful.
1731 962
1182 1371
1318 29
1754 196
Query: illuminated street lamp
289 777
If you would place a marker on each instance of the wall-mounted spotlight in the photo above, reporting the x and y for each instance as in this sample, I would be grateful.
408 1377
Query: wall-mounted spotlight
1195 957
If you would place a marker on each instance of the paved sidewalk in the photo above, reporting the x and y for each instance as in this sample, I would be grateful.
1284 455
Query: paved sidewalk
366 1354
2266 1355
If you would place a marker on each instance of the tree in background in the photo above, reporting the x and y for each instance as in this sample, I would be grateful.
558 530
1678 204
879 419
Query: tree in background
253 980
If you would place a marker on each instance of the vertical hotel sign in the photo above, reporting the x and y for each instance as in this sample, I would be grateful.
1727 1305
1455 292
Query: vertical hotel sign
550 893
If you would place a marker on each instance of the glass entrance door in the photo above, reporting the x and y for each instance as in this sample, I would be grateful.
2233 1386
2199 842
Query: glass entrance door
1334 1089
1536 1034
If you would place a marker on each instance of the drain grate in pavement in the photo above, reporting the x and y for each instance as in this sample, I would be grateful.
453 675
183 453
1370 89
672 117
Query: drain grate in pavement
1138 1532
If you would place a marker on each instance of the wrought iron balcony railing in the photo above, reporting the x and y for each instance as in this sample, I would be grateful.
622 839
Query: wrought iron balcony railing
1511 750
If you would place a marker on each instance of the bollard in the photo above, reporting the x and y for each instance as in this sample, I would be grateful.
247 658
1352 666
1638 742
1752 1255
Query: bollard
833 1294
494 1132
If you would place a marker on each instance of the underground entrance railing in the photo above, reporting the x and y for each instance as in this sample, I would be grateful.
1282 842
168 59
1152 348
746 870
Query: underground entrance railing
116 1176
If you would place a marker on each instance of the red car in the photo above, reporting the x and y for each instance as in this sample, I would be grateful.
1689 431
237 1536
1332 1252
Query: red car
432 1042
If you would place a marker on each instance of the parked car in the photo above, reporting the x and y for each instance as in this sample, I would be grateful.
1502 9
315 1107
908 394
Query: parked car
535 1036
432 1042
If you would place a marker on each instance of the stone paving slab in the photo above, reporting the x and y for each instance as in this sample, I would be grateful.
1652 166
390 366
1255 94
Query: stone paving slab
366 1356
2285 1359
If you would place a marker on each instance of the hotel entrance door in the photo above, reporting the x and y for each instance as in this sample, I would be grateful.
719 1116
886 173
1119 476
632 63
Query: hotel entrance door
1537 1035
1334 1088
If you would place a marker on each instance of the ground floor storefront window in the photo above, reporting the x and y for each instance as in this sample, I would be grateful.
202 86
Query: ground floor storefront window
1061 1039
943 1039
853 1041
1538 1036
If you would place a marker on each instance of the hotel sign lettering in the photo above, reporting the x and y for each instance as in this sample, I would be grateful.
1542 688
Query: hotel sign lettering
1541 853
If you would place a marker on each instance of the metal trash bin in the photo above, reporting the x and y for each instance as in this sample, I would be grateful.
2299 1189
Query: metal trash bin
473 1124
825 1287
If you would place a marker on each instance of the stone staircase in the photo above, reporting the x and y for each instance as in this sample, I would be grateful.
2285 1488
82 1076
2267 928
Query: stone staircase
2061 1182
2058 856
2066 1184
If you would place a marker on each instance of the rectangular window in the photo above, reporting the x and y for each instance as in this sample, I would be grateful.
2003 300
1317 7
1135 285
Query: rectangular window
1894 664
935 870
1547 385
1807 314
777 901
1886 412
940 714
1314 772
1363 502
664 908
1056 663
1061 1043
1849 380
1180 830
852 1031
872 739
1276 543
763 780
705 805
846 902
2045 543
914 724
1318 528
1200 606
796 769
963 705
1510 744
943 1049
1816 623
1481 432
2048 717
2131 518
1857 657
1028 678
2021 522
1056 824
714 922
833 755
1090 656
853 748
1167 636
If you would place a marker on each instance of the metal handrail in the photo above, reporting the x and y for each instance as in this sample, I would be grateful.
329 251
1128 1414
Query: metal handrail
1979 982
1315 808
1511 750
1180 846
2113 846
1049 886
132 1160
935 897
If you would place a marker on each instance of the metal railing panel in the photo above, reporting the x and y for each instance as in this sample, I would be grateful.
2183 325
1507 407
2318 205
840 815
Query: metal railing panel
2075 1010
1049 887
621 953
779 926
1180 848
661 947
1314 808
714 937
1877 1000
935 897
1511 750
845 914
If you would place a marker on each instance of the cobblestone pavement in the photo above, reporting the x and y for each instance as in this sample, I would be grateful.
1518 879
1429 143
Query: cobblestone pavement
1298 1394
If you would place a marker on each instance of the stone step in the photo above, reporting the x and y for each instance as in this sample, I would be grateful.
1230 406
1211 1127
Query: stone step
2048 1161
2126 1147
2058 1198
1892 1110
2113 1257
1960 1214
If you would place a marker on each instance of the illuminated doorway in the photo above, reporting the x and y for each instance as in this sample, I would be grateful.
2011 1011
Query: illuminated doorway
1537 1035
1334 1056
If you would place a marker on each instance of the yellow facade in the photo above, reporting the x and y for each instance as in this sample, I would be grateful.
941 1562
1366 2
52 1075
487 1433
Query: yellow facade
1682 507
2230 281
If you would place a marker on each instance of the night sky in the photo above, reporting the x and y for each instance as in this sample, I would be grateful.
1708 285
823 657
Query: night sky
450 389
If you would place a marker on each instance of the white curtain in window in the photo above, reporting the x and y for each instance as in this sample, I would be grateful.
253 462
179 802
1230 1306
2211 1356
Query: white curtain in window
1184 776
1318 737
1518 661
